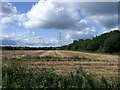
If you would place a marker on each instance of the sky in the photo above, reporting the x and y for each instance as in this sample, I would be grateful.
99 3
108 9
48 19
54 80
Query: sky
40 23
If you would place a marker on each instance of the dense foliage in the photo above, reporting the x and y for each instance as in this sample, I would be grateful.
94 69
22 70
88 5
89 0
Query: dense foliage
24 77
105 43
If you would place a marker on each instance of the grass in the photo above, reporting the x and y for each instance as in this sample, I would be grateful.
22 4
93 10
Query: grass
48 58
26 77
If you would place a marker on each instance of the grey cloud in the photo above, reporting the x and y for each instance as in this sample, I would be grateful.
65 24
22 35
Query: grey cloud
65 16
98 8
105 13
8 9
8 41
76 36
109 21
83 34
60 16
21 40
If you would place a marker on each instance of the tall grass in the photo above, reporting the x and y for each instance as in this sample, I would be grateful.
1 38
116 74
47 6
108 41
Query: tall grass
25 77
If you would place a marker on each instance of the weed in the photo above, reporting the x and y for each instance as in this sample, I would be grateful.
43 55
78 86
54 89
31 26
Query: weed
21 76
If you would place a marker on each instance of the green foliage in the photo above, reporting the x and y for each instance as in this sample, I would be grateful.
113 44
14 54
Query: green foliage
26 77
112 44
26 48
105 43
103 83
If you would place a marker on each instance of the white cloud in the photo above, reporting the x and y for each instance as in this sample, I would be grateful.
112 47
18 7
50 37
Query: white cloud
1 33
26 39
81 24
64 16
7 9
7 13
6 20
105 30
20 17
33 33
15 19
51 15
83 34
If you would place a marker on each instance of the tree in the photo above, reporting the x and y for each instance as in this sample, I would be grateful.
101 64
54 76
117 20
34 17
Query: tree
112 44
75 45
107 42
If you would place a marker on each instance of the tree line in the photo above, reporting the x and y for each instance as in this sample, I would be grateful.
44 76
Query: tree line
105 43
26 48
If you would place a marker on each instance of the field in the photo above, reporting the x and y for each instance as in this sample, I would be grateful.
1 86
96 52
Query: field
65 62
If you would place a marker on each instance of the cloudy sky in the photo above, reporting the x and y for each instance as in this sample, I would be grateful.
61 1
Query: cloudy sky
40 23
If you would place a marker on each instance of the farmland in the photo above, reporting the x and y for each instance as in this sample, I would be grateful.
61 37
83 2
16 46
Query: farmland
65 62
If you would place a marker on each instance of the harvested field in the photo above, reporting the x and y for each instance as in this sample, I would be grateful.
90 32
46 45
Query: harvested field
102 65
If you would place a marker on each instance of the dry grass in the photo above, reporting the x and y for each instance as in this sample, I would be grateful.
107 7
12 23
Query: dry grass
92 55
102 65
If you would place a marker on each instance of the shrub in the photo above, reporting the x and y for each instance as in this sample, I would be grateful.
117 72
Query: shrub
20 76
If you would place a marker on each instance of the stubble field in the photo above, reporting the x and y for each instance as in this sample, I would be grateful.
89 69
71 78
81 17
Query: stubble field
65 62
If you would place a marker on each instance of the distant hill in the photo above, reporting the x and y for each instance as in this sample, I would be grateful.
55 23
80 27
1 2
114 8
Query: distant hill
105 43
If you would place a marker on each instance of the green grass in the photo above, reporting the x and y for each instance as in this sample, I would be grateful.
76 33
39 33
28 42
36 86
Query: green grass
25 77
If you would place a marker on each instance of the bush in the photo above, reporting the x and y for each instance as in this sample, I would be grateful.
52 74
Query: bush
19 76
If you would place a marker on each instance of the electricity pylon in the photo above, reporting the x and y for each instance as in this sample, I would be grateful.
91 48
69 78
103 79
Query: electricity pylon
60 38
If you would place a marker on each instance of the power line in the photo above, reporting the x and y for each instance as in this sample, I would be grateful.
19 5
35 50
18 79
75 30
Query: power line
60 38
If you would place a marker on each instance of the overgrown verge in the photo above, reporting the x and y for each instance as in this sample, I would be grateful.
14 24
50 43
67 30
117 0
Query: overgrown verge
23 77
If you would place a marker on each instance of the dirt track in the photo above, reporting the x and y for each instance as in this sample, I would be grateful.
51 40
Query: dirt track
54 53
